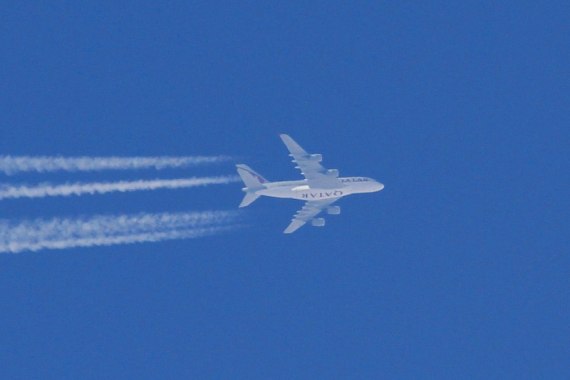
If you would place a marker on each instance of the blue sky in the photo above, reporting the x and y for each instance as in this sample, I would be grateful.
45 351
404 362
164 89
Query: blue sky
459 268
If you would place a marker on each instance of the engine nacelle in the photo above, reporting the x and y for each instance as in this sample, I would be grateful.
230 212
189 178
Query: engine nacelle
333 210
333 173
318 222
316 157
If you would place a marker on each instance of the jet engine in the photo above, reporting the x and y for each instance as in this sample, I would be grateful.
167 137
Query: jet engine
318 222
316 157
333 210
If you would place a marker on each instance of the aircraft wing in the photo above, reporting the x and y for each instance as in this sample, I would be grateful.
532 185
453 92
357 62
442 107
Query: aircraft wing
309 211
310 166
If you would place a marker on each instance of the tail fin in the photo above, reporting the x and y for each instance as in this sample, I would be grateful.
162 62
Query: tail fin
253 182
250 178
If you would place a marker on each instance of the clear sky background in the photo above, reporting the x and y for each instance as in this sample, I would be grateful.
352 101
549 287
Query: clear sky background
459 268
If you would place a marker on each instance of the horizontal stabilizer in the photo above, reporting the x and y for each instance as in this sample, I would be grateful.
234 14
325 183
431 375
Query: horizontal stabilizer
248 199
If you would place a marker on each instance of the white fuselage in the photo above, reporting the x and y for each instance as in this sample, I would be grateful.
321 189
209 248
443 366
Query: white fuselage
300 189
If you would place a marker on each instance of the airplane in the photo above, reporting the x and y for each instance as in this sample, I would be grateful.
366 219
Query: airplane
320 188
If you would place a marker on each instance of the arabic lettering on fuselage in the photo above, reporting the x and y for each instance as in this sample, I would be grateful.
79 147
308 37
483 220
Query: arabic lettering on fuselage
354 179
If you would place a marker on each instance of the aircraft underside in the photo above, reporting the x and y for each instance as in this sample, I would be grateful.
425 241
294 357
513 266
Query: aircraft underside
319 190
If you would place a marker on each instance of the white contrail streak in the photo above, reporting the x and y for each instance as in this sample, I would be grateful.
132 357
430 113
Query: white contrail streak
146 237
16 164
49 190
108 224
101 230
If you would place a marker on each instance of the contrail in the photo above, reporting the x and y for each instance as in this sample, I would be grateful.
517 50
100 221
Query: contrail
68 189
147 237
16 164
101 230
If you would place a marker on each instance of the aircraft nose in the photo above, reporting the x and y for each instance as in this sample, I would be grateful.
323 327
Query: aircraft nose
378 186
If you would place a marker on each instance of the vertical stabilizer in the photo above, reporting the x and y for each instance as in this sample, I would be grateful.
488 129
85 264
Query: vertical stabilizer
250 178
253 182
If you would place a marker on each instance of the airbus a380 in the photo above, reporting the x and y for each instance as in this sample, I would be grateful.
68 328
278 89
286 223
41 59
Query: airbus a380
320 188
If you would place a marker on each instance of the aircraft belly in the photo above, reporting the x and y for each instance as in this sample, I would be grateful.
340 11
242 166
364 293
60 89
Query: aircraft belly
276 192
319 194
304 195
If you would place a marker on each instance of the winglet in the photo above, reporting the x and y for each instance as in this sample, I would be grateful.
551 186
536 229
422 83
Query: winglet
294 226
294 148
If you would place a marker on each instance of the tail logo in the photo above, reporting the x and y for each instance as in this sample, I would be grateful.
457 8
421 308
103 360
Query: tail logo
258 177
